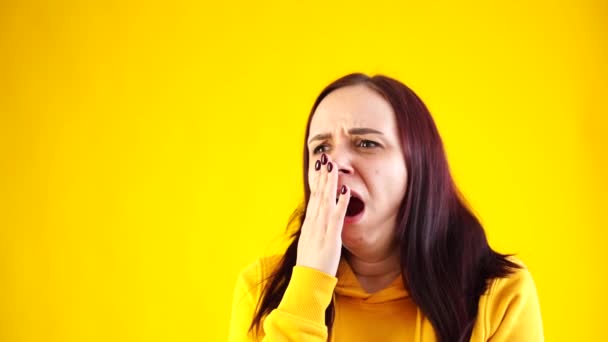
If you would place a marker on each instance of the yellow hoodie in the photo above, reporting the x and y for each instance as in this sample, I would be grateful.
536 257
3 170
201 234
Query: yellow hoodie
508 311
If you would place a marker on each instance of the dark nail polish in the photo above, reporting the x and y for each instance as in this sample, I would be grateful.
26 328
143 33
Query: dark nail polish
343 189
318 165
324 159
330 166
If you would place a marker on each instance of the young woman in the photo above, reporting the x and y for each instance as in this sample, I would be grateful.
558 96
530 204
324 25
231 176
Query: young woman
386 248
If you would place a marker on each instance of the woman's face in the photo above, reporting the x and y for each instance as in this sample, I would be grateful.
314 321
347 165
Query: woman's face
356 127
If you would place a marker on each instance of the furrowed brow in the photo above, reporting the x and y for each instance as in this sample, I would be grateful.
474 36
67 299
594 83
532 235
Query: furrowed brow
352 131
321 136
362 131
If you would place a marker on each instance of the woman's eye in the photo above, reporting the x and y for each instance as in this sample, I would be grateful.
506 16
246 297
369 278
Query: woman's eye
368 144
320 149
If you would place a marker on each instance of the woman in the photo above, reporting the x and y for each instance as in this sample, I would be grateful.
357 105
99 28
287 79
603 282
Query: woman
386 249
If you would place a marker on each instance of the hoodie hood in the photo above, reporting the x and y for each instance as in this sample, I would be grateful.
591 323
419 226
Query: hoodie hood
349 286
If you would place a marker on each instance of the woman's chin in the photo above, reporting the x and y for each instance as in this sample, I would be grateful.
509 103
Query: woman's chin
353 239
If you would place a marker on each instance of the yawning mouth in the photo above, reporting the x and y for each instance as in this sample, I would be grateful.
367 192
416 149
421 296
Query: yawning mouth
355 205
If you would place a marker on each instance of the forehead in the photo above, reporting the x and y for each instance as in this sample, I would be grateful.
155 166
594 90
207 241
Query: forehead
353 106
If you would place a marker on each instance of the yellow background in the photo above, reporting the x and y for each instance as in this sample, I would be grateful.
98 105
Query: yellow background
149 151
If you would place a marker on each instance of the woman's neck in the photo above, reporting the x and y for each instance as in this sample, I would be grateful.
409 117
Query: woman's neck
374 274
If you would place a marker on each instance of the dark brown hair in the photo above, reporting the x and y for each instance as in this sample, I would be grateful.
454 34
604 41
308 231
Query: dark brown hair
446 261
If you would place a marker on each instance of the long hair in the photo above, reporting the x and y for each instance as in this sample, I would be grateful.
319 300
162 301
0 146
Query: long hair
446 262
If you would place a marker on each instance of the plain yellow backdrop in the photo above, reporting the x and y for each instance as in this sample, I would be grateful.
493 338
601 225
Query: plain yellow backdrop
149 151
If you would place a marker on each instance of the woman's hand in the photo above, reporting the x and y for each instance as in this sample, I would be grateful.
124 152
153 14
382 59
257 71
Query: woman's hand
320 241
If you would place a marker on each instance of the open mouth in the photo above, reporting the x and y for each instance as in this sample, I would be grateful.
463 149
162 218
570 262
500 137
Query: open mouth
355 206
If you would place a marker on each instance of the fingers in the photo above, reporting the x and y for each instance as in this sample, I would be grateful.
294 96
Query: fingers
330 187
323 179
337 221
322 175
313 184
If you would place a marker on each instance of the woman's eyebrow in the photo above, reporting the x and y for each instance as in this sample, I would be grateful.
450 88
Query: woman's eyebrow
360 131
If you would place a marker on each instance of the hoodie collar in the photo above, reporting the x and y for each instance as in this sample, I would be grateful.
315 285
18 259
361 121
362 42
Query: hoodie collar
349 286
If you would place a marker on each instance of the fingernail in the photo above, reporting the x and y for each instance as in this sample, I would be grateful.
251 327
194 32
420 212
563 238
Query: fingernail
330 166
343 189
323 159
318 165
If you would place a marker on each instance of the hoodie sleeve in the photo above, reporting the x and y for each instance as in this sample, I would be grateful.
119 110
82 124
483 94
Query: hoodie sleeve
510 310
300 315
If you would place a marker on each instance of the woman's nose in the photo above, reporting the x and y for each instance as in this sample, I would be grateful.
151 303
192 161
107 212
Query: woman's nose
343 162
346 169
342 155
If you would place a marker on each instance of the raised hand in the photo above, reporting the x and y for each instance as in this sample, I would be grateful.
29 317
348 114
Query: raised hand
320 241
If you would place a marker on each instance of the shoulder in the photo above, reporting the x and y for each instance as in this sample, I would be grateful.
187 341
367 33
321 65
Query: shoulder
511 303
254 275
248 289
517 284
251 280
